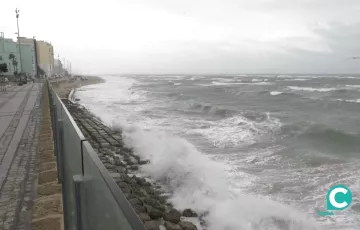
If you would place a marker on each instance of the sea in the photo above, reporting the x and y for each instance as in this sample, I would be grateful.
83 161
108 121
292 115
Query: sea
244 151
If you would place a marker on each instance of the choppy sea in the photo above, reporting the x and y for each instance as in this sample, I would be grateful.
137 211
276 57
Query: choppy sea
249 151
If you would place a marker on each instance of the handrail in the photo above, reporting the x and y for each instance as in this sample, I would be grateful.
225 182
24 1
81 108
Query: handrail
98 173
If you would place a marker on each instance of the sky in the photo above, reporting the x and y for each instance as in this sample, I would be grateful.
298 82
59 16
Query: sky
194 36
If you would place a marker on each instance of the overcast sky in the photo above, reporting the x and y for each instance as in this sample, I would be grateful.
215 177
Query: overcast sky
194 36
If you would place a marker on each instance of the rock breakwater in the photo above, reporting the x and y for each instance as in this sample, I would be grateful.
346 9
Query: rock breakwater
146 198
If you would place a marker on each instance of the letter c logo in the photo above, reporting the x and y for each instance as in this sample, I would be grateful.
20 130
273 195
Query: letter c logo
339 197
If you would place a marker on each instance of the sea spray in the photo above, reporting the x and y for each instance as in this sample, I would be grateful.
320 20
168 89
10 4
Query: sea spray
196 181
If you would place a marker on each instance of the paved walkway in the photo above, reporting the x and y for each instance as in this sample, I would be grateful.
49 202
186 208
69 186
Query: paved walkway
19 119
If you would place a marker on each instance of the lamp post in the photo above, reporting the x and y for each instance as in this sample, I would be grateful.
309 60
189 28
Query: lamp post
18 33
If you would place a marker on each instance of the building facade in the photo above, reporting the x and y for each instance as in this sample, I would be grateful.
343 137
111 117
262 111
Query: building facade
9 54
58 68
28 56
45 57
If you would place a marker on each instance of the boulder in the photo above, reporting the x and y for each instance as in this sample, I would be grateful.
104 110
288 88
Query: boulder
150 201
144 217
186 225
126 190
134 167
171 226
150 191
141 181
173 216
121 169
155 213
143 162
189 213
122 184
152 225
109 166
117 161
135 201
139 208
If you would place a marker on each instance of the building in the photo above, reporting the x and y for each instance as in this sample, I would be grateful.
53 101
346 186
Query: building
45 57
9 54
58 68
28 56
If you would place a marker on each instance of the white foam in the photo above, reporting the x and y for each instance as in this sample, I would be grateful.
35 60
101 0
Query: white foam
274 93
198 182
353 101
236 83
353 86
234 131
295 79
310 89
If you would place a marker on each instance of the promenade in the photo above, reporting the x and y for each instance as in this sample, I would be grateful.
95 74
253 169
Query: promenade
20 115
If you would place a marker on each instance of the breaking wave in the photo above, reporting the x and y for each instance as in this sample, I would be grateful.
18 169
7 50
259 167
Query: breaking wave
212 109
196 181
274 93
297 88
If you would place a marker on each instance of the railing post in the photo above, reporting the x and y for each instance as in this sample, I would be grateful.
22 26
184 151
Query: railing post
78 188
60 148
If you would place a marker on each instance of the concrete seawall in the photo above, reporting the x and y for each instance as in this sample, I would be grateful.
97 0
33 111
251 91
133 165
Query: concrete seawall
48 211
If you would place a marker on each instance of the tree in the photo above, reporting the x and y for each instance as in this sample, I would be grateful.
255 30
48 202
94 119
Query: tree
40 71
3 68
12 58
15 63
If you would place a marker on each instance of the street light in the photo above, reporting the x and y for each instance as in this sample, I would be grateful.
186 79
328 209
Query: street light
18 33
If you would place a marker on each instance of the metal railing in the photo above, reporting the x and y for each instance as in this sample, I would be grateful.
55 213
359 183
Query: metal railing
91 198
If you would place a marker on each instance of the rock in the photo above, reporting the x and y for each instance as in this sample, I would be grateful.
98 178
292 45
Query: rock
162 199
155 213
141 181
109 166
171 226
126 190
150 201
122 184
189 213
150 191
127 179
117 161
152 225
135 201
143 162
173 216
134 167
144 217
130 163
104 144
139 208
121 169
186 225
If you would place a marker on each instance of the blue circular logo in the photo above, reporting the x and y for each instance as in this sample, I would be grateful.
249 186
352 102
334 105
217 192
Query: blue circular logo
339 197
